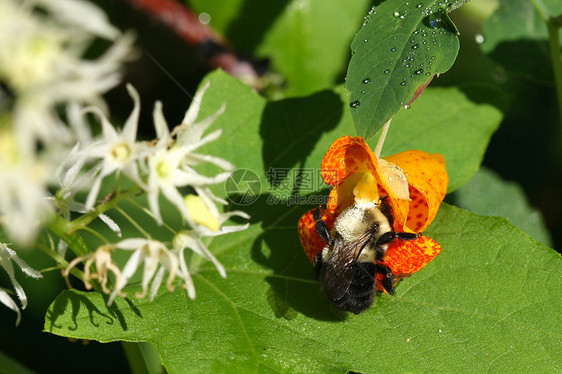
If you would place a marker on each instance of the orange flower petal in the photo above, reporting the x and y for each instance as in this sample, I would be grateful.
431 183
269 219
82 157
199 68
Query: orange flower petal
428 180
310 240
404 258
347 155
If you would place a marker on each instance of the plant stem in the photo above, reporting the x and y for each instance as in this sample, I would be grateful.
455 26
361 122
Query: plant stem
143 358
382 137
61 261
85 219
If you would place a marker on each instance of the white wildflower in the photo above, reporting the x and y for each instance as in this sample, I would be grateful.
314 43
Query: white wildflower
43 69
41 63
104 265
23 187
118 150
156 258
7 255
171 163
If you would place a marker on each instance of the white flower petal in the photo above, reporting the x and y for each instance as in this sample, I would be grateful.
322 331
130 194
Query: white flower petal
7 301
193 111
74 12
190 287
194 159
129 133
160 125
28 270
133 243
111 224
156 283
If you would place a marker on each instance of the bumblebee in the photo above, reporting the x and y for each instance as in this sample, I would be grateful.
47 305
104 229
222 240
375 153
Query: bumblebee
349 263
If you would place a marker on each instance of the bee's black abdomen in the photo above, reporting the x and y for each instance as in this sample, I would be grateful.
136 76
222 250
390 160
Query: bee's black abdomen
361 292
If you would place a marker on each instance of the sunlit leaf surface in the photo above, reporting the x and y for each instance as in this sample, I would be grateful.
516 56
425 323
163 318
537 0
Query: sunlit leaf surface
489 302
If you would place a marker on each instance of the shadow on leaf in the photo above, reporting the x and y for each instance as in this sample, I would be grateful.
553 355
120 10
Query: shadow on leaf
291 128
68 307
70 302
293 286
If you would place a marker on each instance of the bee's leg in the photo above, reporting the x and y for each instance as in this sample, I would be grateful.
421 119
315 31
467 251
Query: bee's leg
388 280
406 236
386 238
387 210
321 227
318 264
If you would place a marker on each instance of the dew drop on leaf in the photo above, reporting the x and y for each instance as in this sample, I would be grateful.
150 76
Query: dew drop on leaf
393 49
435 20
366 80
387 71
355 104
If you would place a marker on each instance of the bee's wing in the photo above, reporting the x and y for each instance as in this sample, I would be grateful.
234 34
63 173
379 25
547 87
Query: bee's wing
339 271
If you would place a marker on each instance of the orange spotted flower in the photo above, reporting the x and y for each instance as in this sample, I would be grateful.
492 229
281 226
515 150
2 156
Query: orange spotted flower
414 184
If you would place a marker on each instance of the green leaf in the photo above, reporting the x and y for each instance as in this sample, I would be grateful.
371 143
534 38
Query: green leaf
269 314
489 302
549 8
488 194
399 49
307 41
517 37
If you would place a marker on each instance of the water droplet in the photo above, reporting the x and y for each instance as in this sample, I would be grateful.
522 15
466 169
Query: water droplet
366 40
355 104
204 18
402 83
479 38
435 20
416 46
387 71
396 14
419 5
393 49
363 91
419 71
366 81
406 106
